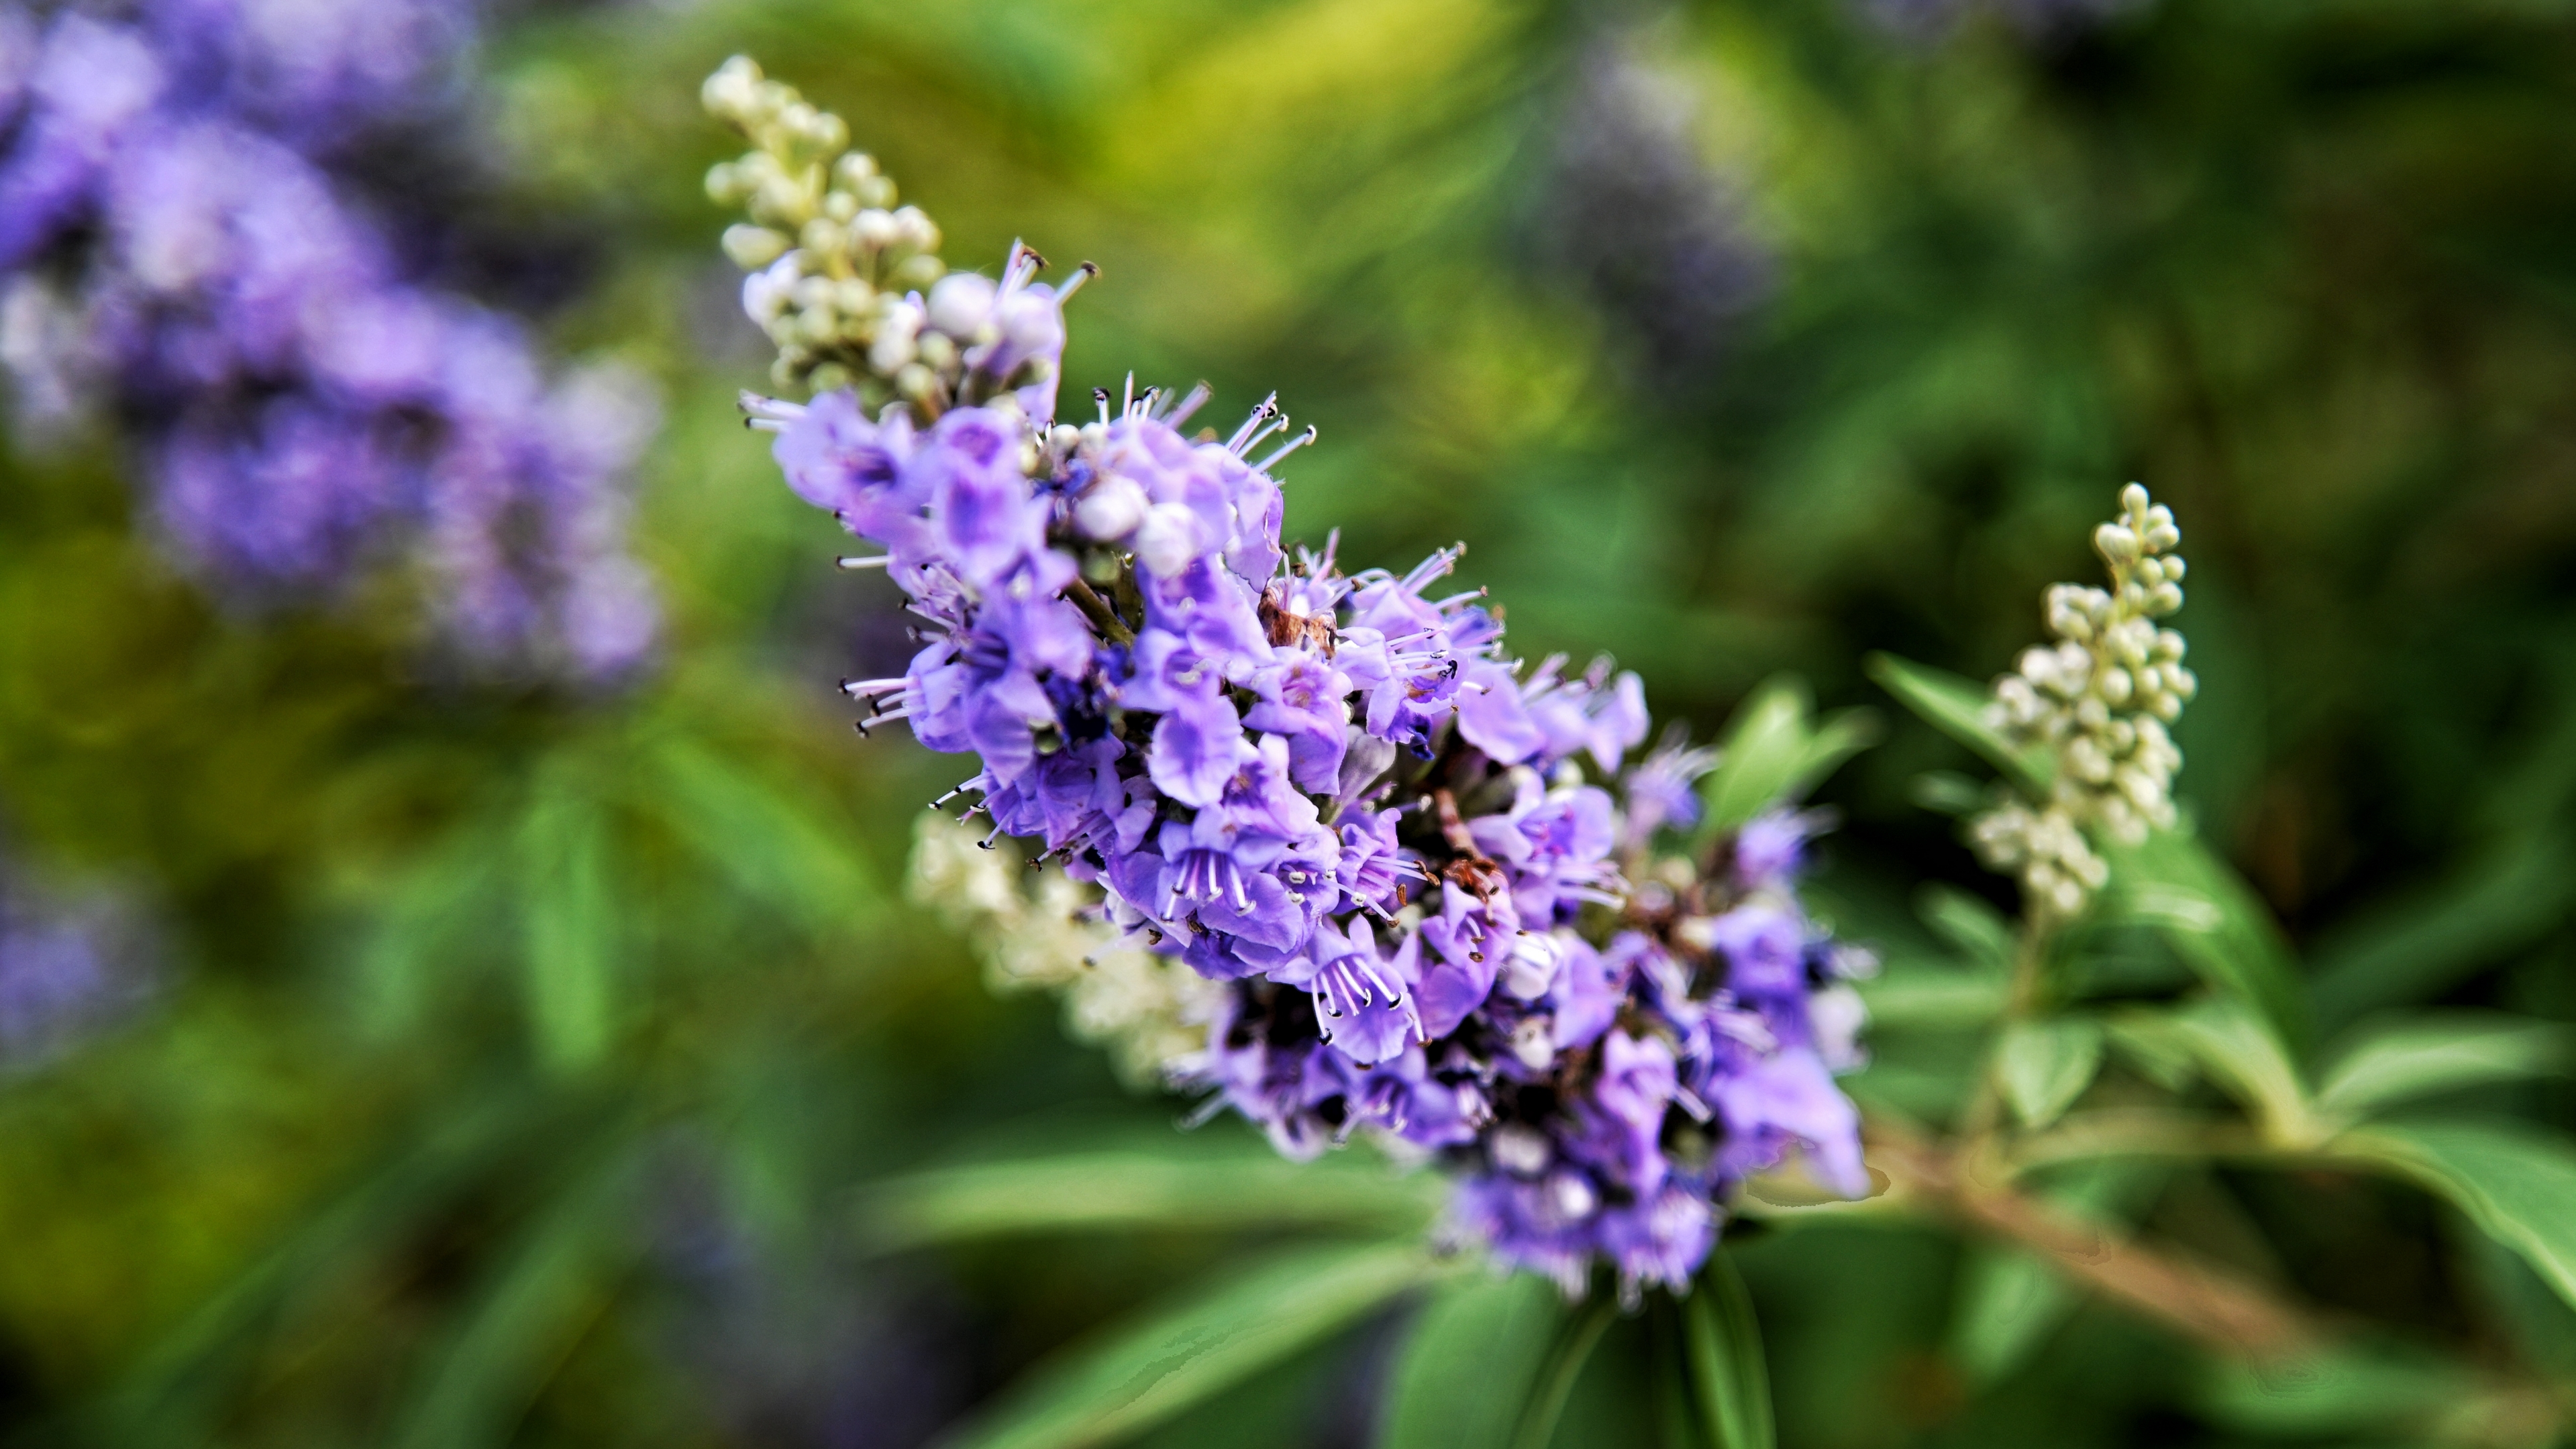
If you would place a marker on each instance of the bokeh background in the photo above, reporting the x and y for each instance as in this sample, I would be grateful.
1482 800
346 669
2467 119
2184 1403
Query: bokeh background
463 1061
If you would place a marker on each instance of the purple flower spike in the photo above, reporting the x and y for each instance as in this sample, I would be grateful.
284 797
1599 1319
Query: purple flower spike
1409 860
178 248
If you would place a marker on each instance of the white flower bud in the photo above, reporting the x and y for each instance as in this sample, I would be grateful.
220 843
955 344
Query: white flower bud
1530 970
753 247
895 335
1533 1042
1167 539
1570 1198
1520 1149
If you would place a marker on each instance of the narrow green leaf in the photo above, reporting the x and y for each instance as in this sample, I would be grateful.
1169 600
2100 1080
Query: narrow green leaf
569 929
1976 929
769 846
478 1383
1471 1362
1957 707
2513 892
1140 1373
2338 1391
174 1393
2418 1056
1547 1400
1108 1190
2043 1066
2007 1301
2216 923
2233 1048
2516 1183
1911 994
1774 753
1727 1371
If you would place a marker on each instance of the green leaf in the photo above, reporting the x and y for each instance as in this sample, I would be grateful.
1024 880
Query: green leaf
1471 1362
2043 1066
1957 707
2418 1056
2341 1390
768 845
1728 1375
1774 753
475 1386
2235 1049
2512 893
1108 1190
2008 1300
2517 1184
1142 1372
1913 994
174 1394
569 928
1547 1400
1976 929
2215 922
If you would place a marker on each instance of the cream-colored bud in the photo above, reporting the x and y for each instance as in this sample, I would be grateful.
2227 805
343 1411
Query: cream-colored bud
840 206
874 192
822 237
921 271
779 201
730 91
2116 544
915 381
753 247
938 351
2115 685
874 229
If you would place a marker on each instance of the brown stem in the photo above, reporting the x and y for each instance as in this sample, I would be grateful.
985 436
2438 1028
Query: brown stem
2197 1298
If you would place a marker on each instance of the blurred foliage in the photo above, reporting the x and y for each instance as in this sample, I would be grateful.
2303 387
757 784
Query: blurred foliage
552 1069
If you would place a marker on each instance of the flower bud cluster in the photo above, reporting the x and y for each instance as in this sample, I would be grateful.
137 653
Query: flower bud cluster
1046 932
2098 701
1398 859
837 267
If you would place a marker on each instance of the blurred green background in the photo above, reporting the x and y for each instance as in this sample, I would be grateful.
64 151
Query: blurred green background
512 1064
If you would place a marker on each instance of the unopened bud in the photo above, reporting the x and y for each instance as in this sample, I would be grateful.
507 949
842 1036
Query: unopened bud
753 247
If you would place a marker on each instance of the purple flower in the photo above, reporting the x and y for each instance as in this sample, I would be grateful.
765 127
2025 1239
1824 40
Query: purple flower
1457 960
180 253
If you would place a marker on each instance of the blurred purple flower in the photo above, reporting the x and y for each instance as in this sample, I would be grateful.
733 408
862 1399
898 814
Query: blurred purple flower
175 250
68 966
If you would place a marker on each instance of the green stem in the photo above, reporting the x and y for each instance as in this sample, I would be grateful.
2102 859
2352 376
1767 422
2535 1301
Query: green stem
1097 610
1556 1381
